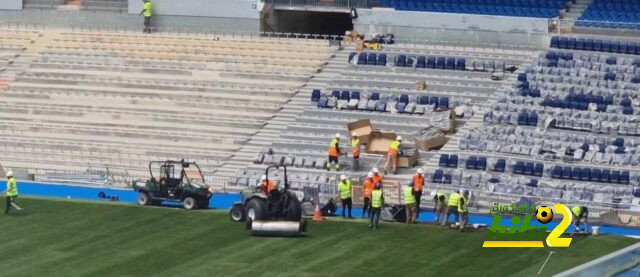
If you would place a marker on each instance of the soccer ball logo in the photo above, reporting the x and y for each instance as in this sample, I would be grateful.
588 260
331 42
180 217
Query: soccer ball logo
544 214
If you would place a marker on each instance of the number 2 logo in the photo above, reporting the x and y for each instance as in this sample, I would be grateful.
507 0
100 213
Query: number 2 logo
554 239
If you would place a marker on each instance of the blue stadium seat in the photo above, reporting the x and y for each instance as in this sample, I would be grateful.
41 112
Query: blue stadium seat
555 41
620 150
580 44
556 173
605 175
538 170
453 161
335 94
434 101
401 61
315 95
566 172
597 45
444 102
421 62
382 59
362 58
518 168
375 96
619 142
355 95
615 47
562 43
446 178
501 165
372 59
523 118
615 177
461 64
611 60
571 43
471 162
423 100
437 176
431 62
586 174
533 119
441 62
345 95
522 77
450 63
404 99
528 168
444 160
623 47
482 163
606 46
351 55
576 173
624 177
632 48
627 110
595 175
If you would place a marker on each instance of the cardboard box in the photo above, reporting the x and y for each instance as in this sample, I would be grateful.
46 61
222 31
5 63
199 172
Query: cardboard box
362 128
431 143
379 142
410 160
421 85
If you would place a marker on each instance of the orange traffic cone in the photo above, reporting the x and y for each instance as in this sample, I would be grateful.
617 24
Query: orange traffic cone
317 215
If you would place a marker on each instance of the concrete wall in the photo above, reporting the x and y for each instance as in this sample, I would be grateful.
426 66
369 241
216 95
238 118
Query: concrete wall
453 27
212 8
10 4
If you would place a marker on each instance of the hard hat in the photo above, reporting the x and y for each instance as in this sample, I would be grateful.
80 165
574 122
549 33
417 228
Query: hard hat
264 177
433 193
354 134
399 138
375 170
343 177
9 173
420 171
460 191
337 135
378 185
370 175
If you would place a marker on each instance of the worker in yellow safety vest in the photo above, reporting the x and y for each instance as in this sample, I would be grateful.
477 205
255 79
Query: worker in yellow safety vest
355 151
344 188
334 152
146 11
367 187
377 201
409 203
392 155
11 192
440 208
463 209
452 208
580 213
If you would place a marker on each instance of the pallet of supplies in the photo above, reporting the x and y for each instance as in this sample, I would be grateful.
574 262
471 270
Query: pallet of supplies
421 85
429 138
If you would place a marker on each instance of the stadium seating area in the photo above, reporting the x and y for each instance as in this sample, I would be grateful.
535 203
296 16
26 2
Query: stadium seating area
525 8
597 45
114 102
611 14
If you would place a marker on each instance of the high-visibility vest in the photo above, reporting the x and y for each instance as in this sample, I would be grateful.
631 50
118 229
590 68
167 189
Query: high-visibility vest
418 182
454 198
408 195
394 147
376 198
12 188
368 187
576 210
147 9
333 148
463 204
441 194
345 189
355 147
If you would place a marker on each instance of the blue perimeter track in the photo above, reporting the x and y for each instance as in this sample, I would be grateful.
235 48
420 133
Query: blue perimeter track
226 200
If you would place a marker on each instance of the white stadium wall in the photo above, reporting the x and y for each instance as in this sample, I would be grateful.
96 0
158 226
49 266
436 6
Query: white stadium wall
245 9
454 27
10 4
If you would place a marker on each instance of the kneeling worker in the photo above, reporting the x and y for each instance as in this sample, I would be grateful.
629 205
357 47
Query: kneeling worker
452 208
463 208
440 208
409 203
377 200
580 213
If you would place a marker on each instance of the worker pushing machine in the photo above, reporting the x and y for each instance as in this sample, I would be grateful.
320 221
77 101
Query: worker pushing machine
344 188
367 186
409 203
355 151
418 184
395 149
146 11
580 213
334 153
440 209
452 208
11 193
463 209
377 200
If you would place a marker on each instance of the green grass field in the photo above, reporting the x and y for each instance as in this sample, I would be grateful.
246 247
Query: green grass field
61 238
